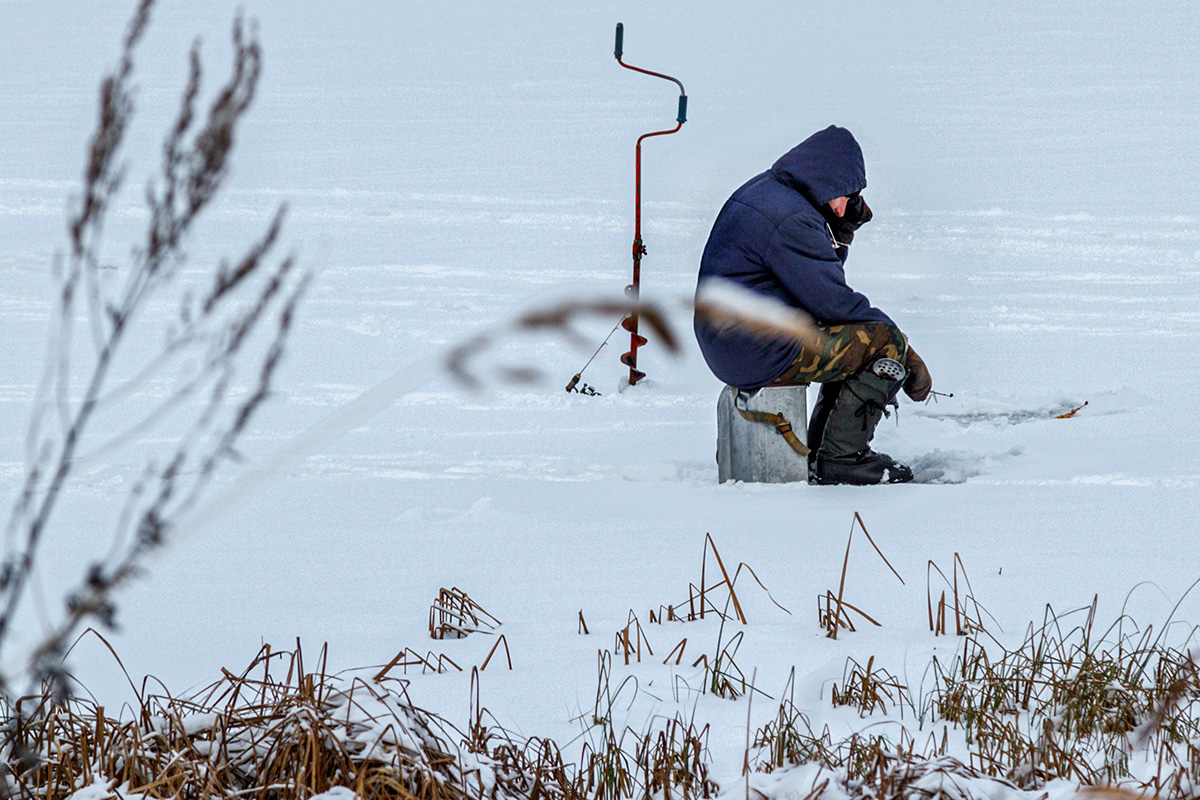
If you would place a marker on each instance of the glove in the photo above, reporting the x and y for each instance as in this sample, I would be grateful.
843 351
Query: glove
858 213
919 382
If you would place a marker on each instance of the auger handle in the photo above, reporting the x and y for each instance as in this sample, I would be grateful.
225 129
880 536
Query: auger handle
618 51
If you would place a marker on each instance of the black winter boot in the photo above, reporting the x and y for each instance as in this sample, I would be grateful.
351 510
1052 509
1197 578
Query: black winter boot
816 423
844 455
866 469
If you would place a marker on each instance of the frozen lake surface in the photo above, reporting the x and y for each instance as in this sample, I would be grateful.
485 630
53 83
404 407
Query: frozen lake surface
1036 234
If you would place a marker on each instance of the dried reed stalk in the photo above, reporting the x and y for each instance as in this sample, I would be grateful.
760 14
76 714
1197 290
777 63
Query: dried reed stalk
454 615
834 621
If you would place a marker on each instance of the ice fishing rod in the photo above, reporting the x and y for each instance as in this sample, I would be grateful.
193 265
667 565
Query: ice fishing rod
584 388
630 322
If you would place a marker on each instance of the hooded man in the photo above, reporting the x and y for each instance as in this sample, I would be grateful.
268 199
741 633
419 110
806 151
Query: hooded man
786 234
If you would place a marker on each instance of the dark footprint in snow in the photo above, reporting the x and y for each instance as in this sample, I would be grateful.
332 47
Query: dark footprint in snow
956 466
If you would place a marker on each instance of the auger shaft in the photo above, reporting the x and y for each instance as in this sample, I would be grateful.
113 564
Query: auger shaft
633 290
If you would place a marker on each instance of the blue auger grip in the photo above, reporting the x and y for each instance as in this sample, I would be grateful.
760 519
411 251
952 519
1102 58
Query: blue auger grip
682 118
620 37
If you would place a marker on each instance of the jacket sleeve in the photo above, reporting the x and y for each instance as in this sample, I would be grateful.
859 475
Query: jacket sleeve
805 263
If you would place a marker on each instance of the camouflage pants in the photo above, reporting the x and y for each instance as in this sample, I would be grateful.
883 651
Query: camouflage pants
847 349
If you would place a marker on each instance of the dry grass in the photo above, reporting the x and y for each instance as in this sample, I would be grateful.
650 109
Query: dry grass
1118 711
630 640
868 689
454 615
275 730
279 731
968 614
863 765
1075 705
833 613
718 599
430 662
722 676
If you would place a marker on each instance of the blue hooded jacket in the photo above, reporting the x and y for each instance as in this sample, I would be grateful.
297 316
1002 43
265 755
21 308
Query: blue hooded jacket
771 238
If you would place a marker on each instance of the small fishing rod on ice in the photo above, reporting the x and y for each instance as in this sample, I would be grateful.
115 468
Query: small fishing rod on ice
585 389
633 290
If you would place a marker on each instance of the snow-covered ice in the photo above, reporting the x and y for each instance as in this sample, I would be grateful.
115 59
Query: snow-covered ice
1037 234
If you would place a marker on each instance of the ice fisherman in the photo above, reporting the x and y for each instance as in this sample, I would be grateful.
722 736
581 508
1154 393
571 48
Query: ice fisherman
786 234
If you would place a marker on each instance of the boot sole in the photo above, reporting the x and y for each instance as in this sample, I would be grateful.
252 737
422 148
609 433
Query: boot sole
820 481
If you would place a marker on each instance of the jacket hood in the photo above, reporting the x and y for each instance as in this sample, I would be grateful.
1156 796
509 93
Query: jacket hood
826 165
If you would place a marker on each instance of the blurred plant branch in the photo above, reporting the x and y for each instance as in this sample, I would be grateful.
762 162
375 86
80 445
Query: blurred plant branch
236 320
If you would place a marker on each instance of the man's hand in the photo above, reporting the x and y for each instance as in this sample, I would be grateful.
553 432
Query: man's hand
919 383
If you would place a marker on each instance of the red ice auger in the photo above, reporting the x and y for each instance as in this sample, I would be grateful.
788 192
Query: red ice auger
630 323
